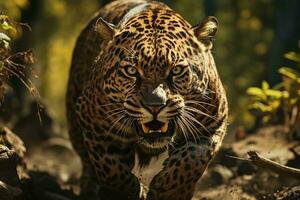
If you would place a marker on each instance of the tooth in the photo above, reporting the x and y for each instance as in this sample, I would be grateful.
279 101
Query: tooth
164 128
145 128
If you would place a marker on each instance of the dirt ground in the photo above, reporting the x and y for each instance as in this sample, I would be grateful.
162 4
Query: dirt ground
49 169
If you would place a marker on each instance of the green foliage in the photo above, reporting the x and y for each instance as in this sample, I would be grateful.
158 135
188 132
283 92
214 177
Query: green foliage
265 101
8 29
242 48
5 29
4 50
13 8
13 64
6 24
280 104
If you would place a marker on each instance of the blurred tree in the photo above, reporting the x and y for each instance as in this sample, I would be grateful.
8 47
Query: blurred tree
249 45
169 2
104 2
286 36
53 36
55 33
16 99
209 7
28 15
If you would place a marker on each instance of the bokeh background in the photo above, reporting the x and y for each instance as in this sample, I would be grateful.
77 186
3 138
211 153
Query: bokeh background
249 47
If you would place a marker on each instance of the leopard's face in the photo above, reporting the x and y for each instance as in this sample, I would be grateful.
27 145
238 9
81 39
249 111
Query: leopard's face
155 68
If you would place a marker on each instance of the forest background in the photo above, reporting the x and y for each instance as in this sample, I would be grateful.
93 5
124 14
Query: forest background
252 38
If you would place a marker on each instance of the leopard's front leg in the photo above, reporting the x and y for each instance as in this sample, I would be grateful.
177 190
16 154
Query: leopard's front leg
113 162
181 170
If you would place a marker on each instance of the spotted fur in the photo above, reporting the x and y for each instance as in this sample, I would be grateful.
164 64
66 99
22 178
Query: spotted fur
143 81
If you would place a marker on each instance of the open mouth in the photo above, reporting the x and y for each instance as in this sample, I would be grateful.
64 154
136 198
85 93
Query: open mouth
155 133
155 126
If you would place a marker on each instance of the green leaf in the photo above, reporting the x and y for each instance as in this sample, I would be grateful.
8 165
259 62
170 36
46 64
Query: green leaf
257 92
6 24
276 94
278 86
293 101
4 41
292 56
274 105
3 17
265 85
261 107
290 73
3 36
266 119
285 94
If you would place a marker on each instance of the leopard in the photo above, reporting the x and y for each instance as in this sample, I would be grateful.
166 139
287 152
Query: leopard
143 82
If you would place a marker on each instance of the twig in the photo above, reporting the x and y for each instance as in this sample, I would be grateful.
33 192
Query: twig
238 158
267 164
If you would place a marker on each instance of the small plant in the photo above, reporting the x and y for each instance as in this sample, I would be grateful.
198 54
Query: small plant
13 64
281 103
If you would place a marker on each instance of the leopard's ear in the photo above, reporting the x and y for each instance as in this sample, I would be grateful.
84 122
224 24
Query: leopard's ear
106 30
206 30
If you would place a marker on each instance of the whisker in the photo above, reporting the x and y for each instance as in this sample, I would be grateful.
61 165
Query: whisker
113 114
172 145
122 127
113 110
109 104
210 91
115 123
199 102
125 128
196 121
129 89
205 96
191 127
183 129
188 108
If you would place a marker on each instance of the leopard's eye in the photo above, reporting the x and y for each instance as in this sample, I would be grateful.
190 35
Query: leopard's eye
177 69
131 70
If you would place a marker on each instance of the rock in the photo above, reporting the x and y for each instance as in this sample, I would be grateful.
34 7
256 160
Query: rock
62 162
223 158
270 142
296 161
223 192
8 192
12 152
220 175
42 185
289 194
12 105
8 166
12 141
245 168
36 125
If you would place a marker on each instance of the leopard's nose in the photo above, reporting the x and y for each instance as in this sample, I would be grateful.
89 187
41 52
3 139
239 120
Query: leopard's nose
155 109
154 99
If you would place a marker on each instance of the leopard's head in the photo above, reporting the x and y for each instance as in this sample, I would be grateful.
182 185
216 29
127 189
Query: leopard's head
157 66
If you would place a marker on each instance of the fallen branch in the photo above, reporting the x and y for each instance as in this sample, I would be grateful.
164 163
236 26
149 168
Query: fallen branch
267 164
